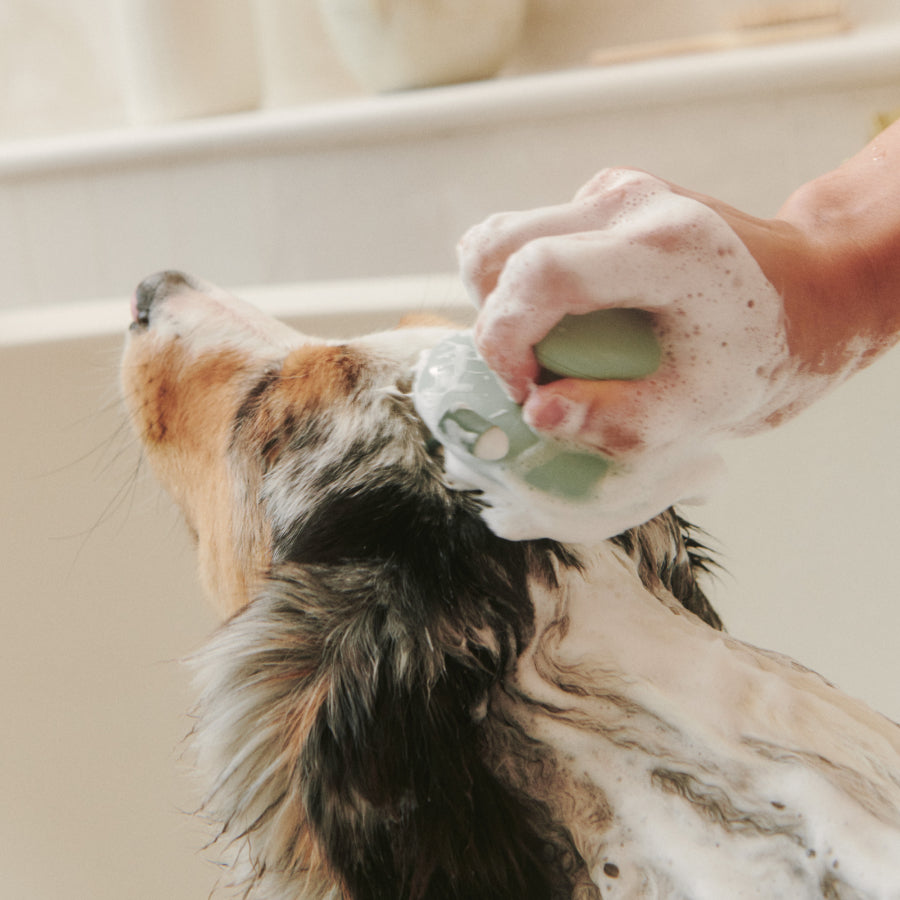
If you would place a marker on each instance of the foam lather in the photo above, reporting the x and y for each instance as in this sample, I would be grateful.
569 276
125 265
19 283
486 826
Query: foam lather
488 445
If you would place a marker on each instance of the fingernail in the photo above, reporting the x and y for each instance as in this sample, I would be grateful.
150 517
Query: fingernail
551 413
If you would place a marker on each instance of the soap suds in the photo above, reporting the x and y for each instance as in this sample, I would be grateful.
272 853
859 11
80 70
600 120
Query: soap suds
726 370
452 374
729 771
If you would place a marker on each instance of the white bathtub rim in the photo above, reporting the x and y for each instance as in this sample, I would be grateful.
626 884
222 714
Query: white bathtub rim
309 304
867 56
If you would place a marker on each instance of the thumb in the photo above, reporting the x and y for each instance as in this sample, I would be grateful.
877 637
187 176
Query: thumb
603 415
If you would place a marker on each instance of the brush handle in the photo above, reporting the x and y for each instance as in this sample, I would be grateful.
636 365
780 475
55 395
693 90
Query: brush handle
607 344
485 438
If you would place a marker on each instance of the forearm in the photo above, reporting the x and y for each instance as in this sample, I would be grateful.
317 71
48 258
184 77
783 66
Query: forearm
842 296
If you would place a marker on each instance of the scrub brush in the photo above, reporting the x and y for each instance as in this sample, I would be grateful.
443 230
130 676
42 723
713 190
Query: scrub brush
486 441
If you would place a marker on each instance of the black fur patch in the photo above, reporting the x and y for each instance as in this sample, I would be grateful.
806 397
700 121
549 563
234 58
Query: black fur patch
440 617
402 636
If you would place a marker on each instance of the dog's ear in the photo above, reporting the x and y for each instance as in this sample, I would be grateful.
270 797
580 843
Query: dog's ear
355 684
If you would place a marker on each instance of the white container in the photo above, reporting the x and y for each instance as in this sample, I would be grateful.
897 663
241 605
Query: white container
58 68
297 59
184 59
395 44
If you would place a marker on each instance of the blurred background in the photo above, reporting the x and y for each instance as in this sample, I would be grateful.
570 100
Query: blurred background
272 141
321 158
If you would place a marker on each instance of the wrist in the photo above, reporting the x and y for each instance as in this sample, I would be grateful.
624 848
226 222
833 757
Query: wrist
843 306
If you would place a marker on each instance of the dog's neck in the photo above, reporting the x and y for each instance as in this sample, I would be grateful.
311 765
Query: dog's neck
667 734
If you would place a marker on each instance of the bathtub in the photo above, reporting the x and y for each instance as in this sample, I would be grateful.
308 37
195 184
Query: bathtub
101 601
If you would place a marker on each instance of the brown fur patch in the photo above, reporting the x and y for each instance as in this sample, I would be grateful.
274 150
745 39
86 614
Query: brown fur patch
318 376
183 407
425 320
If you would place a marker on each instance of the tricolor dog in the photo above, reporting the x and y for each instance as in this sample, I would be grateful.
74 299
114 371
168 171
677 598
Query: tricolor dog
400 704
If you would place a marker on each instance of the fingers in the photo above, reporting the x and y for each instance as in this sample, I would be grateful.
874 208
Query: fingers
540 284
628 240
484 250
616 185
600 414
570 274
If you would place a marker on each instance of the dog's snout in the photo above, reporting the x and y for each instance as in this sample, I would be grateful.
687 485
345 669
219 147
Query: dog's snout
154 288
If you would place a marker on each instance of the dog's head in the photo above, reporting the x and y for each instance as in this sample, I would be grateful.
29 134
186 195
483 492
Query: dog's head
372 610
273 443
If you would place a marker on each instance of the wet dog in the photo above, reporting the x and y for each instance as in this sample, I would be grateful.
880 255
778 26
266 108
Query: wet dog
403 705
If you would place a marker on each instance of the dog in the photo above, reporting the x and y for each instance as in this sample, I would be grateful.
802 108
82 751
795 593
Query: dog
401 704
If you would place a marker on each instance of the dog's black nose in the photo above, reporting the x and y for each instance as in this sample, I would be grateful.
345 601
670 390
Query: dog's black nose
153 288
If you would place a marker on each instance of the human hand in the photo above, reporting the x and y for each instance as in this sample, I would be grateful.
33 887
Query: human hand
629 239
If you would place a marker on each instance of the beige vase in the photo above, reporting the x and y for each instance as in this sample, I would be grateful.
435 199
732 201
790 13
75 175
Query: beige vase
188 59
396 44
298 63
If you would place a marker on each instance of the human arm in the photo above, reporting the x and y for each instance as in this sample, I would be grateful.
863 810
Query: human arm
827 270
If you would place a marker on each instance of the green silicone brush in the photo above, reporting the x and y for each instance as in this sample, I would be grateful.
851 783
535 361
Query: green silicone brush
467 410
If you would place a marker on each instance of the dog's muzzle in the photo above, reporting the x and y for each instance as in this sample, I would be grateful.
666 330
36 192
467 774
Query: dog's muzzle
153 289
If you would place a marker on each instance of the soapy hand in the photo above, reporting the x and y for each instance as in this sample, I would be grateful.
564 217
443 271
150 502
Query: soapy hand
756 319
631 240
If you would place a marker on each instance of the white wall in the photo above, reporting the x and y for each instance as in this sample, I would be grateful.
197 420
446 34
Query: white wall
381 186
97 606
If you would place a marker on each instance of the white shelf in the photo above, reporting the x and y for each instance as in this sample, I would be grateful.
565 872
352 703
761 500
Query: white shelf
383 186
868 57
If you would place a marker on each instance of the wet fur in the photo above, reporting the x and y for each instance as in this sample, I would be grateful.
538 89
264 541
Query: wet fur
403 706
346 706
